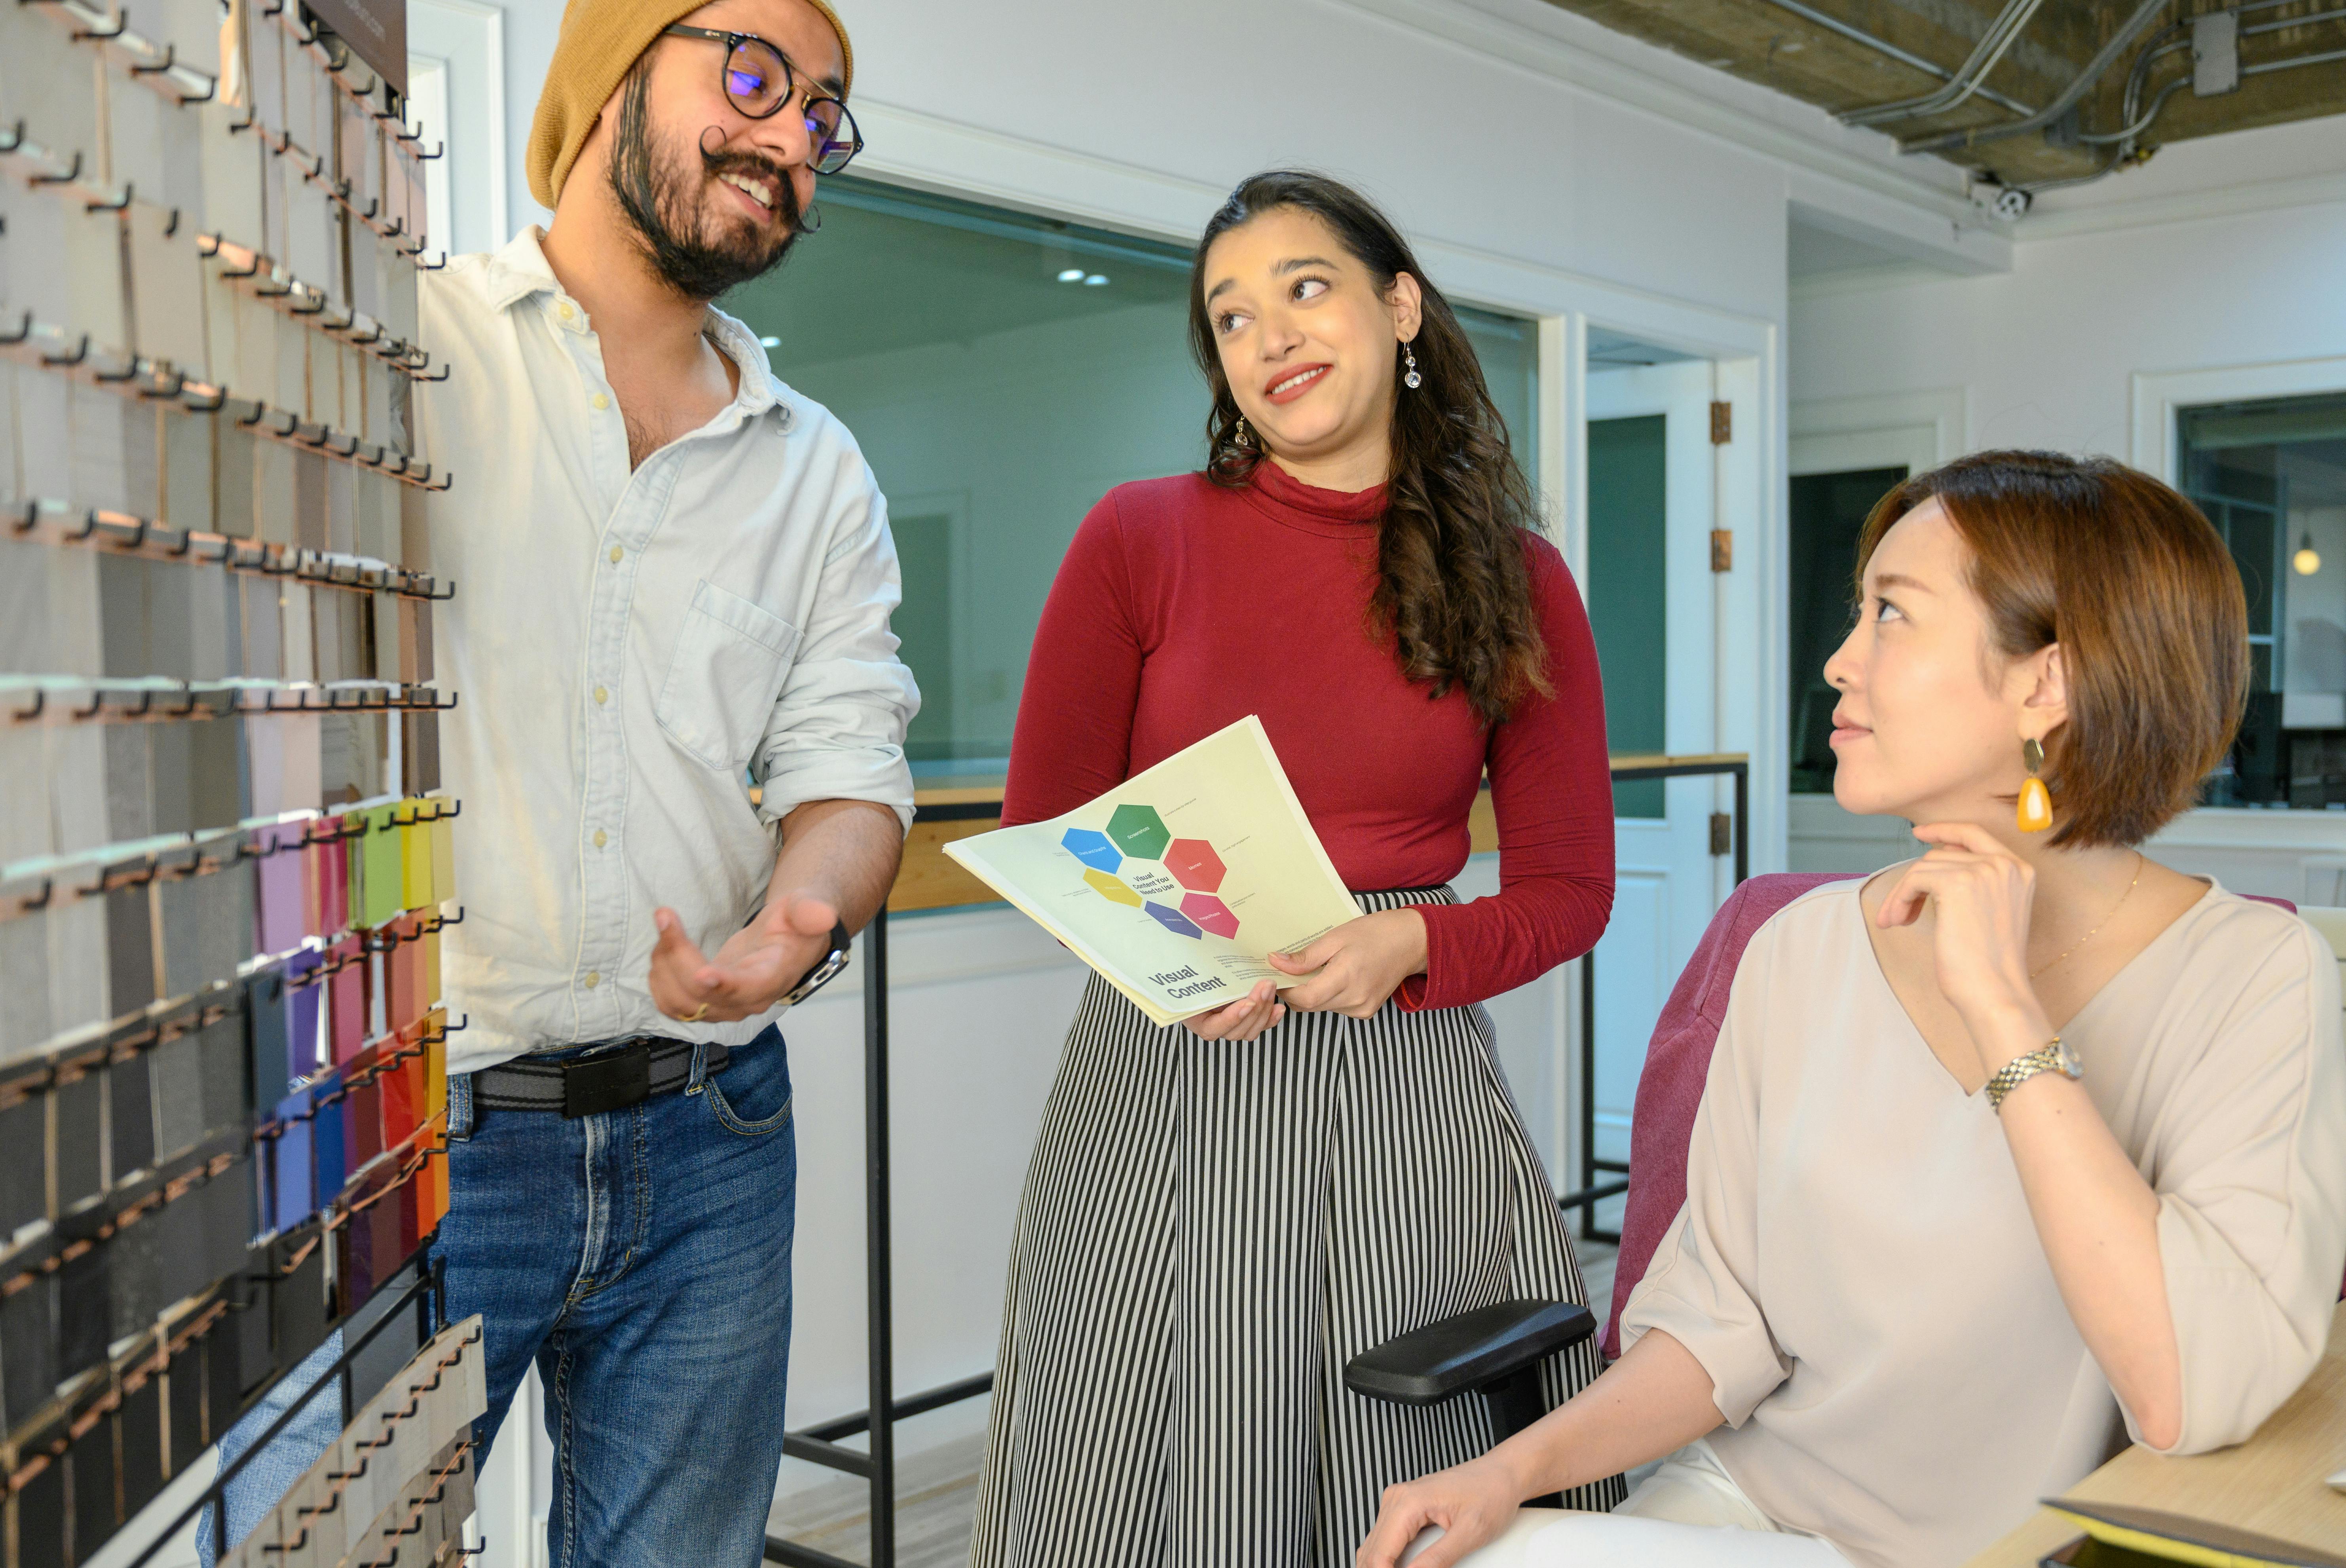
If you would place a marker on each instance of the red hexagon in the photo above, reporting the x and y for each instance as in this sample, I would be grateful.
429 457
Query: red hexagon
1210 913
1195 865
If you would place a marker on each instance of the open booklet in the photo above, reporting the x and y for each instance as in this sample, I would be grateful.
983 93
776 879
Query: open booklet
1176 883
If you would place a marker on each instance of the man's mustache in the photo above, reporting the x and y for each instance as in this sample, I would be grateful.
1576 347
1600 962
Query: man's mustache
751 166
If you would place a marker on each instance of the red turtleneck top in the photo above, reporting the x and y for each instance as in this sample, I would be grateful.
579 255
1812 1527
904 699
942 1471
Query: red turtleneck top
1182 607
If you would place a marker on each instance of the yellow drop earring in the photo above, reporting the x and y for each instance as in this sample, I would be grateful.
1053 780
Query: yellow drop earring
2035 813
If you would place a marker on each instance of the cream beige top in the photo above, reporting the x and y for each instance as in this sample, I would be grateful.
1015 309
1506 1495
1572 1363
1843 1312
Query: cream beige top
1856 1268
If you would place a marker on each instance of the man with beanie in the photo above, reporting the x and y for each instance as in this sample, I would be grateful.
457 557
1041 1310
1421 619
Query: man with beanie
681 755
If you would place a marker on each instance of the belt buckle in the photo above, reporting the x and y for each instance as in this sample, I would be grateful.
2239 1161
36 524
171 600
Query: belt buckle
611 1082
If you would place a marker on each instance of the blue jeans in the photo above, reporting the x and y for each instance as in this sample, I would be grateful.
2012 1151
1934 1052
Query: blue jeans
642 1258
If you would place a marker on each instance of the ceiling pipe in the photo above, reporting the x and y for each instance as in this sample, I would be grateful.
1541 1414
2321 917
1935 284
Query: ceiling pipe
1967 80
2167 42
2143 15
1883 47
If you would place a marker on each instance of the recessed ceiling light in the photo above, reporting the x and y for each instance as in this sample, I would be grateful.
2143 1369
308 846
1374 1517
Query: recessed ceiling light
1072 275
769 342
1096 280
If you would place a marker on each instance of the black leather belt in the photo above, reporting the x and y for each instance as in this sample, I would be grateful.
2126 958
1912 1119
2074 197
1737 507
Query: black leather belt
608 1078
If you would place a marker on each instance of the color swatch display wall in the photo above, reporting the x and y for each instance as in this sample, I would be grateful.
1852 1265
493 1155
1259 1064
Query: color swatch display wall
224 848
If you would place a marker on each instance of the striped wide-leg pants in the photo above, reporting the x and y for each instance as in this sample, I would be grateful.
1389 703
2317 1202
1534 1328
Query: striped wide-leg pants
1210 1229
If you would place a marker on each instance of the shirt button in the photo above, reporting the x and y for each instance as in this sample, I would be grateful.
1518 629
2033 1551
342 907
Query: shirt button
594 978
601 838
601 696
563 311
602 401
616 553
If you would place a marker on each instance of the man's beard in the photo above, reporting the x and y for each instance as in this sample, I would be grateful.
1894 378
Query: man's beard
671 213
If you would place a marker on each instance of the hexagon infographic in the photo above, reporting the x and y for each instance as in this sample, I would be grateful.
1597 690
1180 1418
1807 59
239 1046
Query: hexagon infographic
1173 921
1137 861
1195 865
1093 848
1109 887
1210 913
1138 831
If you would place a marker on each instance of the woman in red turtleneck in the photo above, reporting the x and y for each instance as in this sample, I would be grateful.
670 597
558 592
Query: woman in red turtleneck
1221 1214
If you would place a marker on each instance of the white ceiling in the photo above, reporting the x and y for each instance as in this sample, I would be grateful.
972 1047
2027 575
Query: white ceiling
1812 250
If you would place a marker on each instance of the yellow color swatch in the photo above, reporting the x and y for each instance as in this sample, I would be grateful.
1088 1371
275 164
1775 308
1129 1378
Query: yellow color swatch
415 855
443 856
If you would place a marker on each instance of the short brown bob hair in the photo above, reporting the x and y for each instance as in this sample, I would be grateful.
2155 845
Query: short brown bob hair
2139 590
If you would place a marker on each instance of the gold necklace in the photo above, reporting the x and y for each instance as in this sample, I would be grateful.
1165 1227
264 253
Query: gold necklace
2106 919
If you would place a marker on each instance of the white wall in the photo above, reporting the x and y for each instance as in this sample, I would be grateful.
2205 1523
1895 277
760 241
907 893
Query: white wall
1075 408
2044 353
2219 254
1546 166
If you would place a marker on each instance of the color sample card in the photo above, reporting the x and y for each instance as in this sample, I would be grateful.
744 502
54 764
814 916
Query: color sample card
282 908
306 999
292 1170
346 998
386 878
172 1050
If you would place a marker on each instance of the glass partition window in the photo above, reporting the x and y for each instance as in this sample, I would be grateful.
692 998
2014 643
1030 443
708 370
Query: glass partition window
1828 514
1002 372
2272 476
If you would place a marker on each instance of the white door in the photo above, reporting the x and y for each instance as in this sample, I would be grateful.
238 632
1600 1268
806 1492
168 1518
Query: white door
1668 882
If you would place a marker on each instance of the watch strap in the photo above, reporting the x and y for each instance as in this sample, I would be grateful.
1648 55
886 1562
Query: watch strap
2049 1057
833 960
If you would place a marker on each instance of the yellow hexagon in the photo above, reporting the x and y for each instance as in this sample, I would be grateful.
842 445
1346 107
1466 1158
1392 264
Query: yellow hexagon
1109 887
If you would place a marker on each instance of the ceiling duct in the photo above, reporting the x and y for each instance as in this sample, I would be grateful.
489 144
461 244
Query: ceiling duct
2145 14
1967 79
2023 96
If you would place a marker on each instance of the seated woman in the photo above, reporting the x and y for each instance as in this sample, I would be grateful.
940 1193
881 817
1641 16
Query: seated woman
2002 1146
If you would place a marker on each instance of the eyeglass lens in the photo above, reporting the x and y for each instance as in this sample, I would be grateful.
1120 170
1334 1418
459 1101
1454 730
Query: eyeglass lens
757 82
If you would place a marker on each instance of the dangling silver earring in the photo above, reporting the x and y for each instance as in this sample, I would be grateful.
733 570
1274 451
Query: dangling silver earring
1240 437
1411 380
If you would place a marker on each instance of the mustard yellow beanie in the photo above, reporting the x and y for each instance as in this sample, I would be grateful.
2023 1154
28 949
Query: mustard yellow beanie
600 41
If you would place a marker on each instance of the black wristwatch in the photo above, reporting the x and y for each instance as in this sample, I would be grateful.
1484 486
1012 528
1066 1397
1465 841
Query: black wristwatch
825 967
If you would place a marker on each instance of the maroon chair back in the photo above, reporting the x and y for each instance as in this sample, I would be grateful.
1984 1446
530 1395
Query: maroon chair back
1677 1062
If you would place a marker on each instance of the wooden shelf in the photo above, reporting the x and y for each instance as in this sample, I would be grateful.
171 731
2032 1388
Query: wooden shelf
931 880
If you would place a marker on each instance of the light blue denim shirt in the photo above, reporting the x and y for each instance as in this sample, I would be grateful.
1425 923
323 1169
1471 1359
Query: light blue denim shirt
631 650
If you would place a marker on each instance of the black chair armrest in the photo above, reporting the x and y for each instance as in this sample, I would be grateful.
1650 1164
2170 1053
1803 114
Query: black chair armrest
1470 1350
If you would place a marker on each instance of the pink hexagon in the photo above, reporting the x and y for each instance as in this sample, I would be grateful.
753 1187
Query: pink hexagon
1211 913
1195 865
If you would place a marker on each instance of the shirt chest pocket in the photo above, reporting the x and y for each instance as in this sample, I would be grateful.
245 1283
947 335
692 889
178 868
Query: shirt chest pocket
726 672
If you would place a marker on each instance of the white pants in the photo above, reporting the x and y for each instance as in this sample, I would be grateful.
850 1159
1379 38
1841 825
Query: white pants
1689 1513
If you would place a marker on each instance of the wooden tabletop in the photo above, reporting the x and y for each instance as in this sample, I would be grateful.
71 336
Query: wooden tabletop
2272 1483
931 880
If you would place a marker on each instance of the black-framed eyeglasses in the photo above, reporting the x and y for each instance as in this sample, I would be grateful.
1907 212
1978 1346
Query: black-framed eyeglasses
758 82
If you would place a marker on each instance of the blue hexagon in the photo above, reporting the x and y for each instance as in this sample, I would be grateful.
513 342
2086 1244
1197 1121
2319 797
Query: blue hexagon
1092 848
1173 919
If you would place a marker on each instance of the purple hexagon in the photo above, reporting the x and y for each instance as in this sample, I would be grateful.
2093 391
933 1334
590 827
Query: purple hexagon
1173 921
1195 865
1210 913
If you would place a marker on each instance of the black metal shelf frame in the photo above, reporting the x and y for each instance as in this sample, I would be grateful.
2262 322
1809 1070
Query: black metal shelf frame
1591 1191
427 1293
823 1443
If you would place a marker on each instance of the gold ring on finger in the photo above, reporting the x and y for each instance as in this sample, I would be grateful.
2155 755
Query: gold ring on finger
697 1014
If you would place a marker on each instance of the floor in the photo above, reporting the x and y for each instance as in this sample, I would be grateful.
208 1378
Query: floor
937 1491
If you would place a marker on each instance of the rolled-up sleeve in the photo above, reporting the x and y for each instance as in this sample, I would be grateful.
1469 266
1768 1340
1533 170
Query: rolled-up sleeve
837 731
2250 1174
1702 1288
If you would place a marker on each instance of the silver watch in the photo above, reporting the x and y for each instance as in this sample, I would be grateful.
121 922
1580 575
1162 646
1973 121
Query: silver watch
2052 1056
832 961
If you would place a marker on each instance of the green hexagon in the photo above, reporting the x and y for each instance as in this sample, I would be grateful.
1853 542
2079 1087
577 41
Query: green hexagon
1138 831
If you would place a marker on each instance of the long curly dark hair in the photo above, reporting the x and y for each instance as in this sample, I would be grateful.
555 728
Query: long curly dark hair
1454 588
